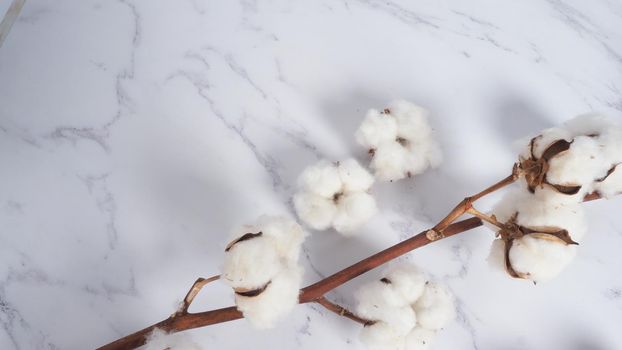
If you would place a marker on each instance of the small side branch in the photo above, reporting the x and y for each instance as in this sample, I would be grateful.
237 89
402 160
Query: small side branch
193 292
462 207
342 311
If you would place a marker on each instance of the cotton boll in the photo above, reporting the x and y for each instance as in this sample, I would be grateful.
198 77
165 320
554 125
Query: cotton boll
435 308
354 177
406 281
287 234
540 259
382 336
377 128
377 301
322 179
390 162
316 211
612 185
159 339
419 339
353 210
276 301
251 263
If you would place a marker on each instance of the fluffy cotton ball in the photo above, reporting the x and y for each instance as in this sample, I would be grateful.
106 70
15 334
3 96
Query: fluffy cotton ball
385 301
540 259
377 128
403 147
265 263
353 210
344 204
420 338
595 146
159 339
277 300
251 263
538 256
435 308
382 336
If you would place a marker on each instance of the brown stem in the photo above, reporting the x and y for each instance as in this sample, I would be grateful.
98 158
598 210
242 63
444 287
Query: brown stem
193 292
311 293
489 219
466 203
342 311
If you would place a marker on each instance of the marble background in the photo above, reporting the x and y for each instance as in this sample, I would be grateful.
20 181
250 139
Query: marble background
134 135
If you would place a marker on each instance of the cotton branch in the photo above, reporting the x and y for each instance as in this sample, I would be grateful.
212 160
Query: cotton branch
183 320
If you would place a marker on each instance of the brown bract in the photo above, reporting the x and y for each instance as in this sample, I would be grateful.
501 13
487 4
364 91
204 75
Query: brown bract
535 169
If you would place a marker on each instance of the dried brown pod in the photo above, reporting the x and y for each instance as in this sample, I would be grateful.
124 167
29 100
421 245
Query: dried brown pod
535 168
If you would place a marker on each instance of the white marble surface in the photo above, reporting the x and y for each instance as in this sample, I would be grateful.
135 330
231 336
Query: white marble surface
135 134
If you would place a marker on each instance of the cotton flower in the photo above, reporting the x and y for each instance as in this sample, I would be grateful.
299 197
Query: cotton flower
400 140
335 194
261 265
407 310
540 235
573 159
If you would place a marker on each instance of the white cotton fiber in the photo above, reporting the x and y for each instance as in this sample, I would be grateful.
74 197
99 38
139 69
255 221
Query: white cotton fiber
353 210
612 184
406 281
435 308
382 336
420 338
287 234
159 340
250 264
316 211
345 205
377 301
266 263
410 151
322 179
580 165
536 214
354 177
377 128
539 258
276 301
606 131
